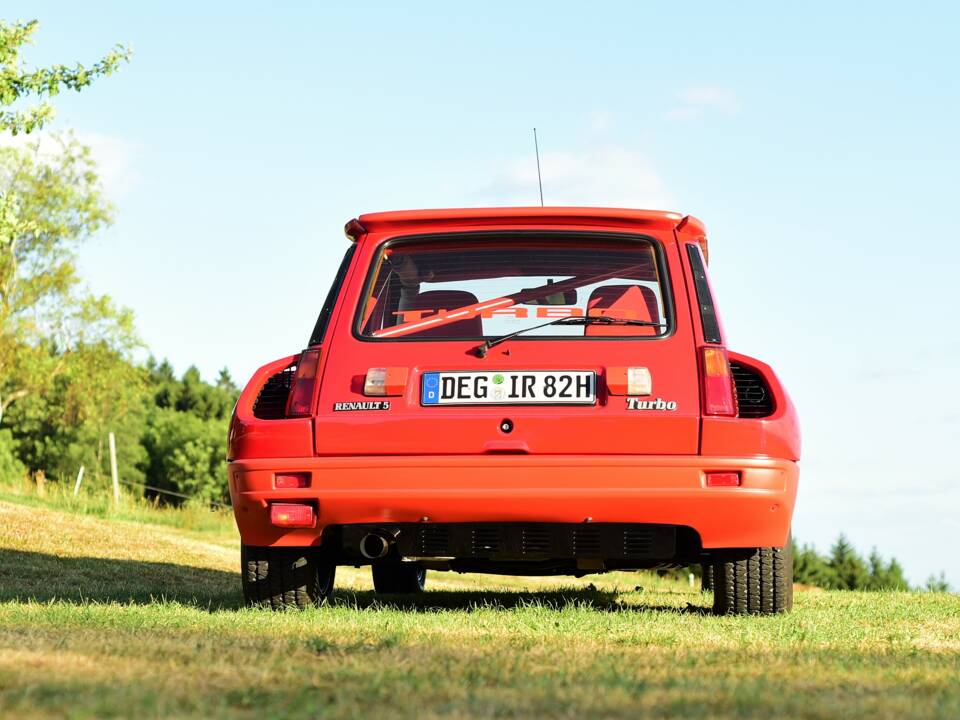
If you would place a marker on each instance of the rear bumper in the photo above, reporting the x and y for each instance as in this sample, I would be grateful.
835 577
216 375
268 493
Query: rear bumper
667 490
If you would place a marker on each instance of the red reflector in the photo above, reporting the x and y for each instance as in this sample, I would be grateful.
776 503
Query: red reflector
292 515
287 481
718 392
723 479
301 393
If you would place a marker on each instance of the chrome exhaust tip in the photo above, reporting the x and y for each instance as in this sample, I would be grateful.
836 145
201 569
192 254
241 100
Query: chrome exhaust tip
374 546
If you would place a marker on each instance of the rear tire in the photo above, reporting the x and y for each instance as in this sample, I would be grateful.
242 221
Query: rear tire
761 584
281 578
706 577
405 578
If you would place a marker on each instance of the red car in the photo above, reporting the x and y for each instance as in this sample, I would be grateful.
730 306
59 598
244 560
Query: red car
524 391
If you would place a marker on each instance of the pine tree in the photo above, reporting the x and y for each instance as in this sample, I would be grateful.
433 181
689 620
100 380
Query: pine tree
849 568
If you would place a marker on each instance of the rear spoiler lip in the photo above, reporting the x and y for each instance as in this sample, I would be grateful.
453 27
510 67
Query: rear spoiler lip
692 228
385 221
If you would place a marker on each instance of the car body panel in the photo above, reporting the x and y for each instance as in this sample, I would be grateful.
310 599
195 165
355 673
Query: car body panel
512 488
608 427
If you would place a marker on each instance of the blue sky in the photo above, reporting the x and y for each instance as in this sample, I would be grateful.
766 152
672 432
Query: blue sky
817 142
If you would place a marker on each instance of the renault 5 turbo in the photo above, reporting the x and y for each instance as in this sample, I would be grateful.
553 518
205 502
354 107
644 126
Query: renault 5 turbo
525 391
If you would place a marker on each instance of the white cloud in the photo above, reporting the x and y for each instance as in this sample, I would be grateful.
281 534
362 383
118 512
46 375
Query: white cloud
600 121
611 177
115 157
696 101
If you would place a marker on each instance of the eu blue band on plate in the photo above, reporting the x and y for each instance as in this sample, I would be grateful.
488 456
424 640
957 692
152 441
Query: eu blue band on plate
430 392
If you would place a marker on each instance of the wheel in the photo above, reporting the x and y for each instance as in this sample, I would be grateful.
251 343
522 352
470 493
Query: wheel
761 584
280 578
706 578
391 577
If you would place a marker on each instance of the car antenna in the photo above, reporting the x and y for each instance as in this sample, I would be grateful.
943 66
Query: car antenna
536 149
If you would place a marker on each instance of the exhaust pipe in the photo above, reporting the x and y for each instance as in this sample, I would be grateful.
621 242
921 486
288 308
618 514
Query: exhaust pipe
375 545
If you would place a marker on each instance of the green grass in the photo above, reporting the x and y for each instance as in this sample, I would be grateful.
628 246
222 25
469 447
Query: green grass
109 617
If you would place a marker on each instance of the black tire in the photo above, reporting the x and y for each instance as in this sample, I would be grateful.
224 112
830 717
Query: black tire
391 577
761 584
706 578
281 578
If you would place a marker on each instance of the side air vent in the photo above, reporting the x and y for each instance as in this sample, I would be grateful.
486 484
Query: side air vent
433 541
637 542
485 540
271 403
753 395
534 540
586 541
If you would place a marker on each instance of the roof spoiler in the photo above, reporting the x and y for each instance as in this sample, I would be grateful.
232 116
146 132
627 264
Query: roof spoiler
696 231
354 229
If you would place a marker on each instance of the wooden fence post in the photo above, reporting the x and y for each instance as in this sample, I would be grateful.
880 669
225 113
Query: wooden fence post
113 469
76 487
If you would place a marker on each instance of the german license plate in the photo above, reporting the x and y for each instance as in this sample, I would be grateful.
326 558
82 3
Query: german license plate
513 387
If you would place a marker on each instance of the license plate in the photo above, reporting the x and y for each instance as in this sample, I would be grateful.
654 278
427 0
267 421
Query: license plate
532 387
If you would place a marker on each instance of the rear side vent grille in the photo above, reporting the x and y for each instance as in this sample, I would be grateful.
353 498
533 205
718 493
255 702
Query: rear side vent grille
753 395
271 403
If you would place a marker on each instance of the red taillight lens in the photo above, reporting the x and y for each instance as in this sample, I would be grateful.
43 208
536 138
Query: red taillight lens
292 515
300 403
719 397
288 481
723 479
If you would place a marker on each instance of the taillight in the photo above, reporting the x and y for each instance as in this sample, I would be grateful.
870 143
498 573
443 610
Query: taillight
629 381
292 515
291 481
300 403
388 382
719 396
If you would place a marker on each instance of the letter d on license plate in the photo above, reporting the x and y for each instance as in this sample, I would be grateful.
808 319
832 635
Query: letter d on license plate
513 387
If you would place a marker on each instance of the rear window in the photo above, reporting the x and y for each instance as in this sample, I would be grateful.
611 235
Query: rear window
471 288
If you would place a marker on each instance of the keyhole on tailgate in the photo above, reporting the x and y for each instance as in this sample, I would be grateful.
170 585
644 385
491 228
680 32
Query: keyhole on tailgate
506 425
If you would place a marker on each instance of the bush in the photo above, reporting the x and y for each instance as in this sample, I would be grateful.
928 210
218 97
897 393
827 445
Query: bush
185 454
10 466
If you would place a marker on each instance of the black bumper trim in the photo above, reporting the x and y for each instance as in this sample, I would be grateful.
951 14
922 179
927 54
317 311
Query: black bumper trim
521 541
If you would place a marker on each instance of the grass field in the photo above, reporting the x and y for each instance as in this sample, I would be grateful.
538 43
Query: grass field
136 613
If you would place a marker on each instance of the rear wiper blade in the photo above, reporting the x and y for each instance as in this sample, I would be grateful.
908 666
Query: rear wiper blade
481 350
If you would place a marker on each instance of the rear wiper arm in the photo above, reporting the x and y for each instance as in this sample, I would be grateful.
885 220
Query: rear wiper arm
481 350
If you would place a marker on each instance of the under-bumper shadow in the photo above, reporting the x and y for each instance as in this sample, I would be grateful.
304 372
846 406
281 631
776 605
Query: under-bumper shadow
43 577
432 601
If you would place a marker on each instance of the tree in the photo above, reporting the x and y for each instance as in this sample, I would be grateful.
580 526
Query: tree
17 84
885 575
811 568
49 204
186 432
938 583
185 453
848 567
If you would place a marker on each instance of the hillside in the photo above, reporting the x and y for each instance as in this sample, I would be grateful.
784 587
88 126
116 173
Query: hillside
105 617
